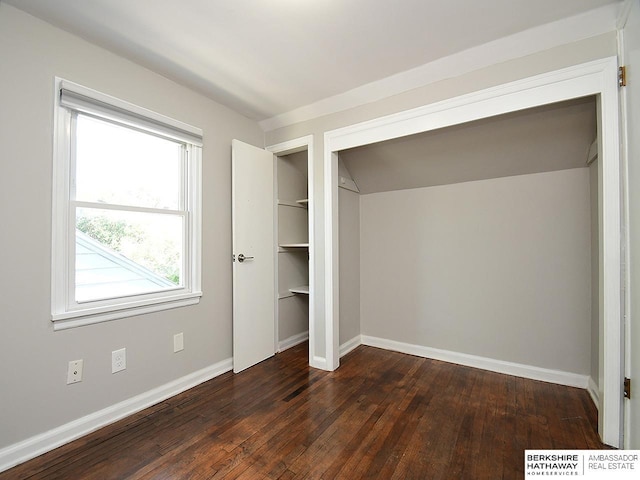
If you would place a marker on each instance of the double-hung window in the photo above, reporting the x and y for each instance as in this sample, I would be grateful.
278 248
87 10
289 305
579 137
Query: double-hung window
126 209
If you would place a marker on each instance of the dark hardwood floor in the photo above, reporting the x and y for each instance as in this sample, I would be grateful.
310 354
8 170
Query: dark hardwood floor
381 415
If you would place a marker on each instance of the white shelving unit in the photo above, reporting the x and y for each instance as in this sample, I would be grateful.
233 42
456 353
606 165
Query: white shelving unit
293 245
303 290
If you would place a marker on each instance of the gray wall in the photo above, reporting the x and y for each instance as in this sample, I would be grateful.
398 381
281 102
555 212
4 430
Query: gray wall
35 397
545 61
497 268
349 237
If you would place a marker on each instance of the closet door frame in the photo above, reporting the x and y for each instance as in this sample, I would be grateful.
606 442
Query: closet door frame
286 148
599 78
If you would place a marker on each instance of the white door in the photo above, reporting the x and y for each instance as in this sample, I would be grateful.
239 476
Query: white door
631 98
252 206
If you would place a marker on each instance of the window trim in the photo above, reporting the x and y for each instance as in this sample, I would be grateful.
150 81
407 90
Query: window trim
71 97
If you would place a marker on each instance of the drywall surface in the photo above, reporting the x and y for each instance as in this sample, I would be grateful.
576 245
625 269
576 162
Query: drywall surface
541 139
293 317
545 61
349 237
495 268
34 358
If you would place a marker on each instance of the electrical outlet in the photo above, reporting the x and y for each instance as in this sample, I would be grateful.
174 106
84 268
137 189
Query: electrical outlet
118 360
74 372
178 342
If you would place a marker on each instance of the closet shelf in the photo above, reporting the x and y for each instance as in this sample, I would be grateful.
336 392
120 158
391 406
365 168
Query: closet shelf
294 245
303 203
304 290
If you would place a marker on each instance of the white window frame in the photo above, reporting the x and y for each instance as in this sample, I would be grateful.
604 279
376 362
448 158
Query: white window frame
65 311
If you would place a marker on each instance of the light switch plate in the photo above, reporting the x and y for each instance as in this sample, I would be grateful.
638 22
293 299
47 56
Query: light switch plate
178 342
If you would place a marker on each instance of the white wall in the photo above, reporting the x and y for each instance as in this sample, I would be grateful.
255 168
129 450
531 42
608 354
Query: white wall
496 268
33 358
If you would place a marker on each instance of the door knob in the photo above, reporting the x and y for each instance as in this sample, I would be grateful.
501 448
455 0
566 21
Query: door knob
242 258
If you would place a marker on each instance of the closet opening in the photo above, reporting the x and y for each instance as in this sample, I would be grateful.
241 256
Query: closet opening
550 212
294 248
478 243
292 256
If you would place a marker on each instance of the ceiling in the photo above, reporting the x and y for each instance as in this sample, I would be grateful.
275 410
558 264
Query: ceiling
267 57
542 139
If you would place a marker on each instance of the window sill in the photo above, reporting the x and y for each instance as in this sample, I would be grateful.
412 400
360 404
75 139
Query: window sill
79 318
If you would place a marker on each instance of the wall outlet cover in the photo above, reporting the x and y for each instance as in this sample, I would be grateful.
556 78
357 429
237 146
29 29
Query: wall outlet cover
74 371
118 360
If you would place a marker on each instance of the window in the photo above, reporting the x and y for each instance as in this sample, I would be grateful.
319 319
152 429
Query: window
126 209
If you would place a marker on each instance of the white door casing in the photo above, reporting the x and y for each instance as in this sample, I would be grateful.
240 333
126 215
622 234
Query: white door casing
629 52
597 78
252 200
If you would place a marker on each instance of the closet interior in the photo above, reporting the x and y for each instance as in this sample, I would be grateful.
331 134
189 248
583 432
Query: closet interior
477 240
292 248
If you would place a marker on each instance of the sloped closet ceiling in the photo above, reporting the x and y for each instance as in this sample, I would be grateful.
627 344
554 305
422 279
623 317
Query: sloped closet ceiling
543 139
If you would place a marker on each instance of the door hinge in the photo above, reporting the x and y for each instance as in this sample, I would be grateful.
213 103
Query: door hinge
627 388
622 76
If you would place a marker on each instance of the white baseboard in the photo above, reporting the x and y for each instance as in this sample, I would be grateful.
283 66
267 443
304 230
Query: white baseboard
319 362
293 341
47 441
500 366
350 345
37 445
594 392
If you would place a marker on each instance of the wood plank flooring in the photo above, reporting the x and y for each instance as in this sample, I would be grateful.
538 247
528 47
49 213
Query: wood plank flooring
381 415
